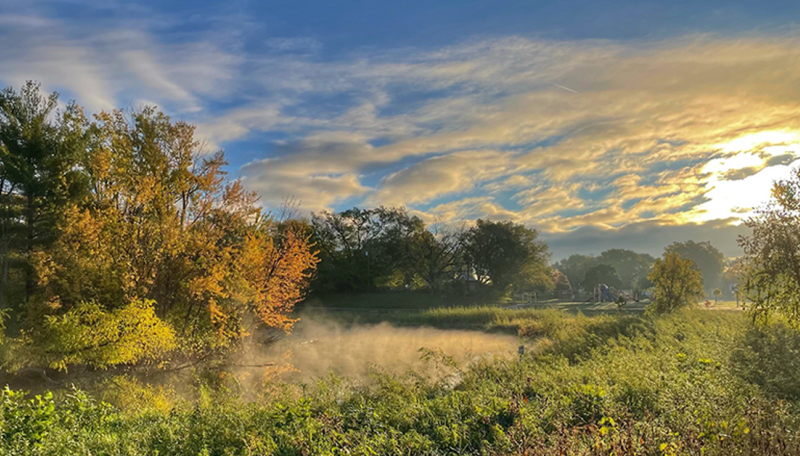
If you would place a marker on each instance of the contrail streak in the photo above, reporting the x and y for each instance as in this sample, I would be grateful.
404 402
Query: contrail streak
565 88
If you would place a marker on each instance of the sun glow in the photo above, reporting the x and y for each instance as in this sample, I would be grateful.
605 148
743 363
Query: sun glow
742 180
762 140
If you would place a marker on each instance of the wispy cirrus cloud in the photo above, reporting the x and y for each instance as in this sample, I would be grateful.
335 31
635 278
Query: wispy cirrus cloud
649 134
112 65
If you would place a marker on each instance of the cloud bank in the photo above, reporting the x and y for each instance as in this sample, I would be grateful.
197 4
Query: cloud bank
596 141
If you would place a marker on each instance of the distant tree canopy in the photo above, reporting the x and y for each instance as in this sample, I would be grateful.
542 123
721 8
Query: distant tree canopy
561 283
368 249
601 274
362 248
121 219
508 255
631 267
707 258
676 281
575 267
771 263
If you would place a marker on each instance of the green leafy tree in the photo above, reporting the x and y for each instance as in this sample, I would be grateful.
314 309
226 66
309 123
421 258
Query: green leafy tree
89 335
676 281
770 268
434 253
601 274
717 294
707 258
507 255
361 247
575 266
40 153
631 266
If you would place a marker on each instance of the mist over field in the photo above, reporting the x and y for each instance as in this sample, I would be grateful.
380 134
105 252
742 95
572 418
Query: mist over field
316 347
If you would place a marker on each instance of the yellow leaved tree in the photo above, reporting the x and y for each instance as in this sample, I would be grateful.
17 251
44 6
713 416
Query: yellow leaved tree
158 235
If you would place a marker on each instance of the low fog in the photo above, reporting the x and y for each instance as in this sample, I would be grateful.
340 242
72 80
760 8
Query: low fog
317 347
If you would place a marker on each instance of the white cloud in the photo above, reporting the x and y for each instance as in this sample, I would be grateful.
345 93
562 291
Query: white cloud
109 64
660 132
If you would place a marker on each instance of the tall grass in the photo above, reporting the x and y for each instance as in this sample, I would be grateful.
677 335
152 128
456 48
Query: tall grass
684 383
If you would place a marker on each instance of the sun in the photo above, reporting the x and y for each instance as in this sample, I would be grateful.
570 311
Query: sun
741 177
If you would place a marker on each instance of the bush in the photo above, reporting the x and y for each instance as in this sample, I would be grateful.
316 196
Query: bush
89 335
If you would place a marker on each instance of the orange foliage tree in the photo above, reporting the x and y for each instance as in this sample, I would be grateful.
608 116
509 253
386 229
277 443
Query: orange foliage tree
160 222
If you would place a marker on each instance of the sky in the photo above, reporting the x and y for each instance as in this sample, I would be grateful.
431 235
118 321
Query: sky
602 123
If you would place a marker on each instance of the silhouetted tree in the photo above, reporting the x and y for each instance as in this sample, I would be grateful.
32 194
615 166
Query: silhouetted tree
507 254
434 254
360 247
601 274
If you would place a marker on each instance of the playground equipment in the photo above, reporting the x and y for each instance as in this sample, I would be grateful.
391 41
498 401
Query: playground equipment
604 293
531 298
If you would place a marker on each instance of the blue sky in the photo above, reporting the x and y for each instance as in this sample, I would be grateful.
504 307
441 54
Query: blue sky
602 123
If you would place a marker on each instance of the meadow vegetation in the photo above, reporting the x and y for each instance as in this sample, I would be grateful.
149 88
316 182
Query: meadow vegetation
690 382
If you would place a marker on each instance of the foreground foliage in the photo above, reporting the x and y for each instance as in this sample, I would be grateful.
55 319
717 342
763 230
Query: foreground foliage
682 383
771 262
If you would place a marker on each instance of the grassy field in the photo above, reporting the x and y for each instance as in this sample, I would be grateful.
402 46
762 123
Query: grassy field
400 300
474 312
693 382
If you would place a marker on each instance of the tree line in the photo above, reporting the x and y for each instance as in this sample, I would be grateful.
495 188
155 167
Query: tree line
391 249
388 248
626 269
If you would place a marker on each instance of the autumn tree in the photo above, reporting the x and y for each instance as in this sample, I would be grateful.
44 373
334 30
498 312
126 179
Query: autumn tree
676 281
770 268
126 219
277 262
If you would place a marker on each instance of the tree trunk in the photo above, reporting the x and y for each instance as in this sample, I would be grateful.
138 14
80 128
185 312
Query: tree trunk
30 276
